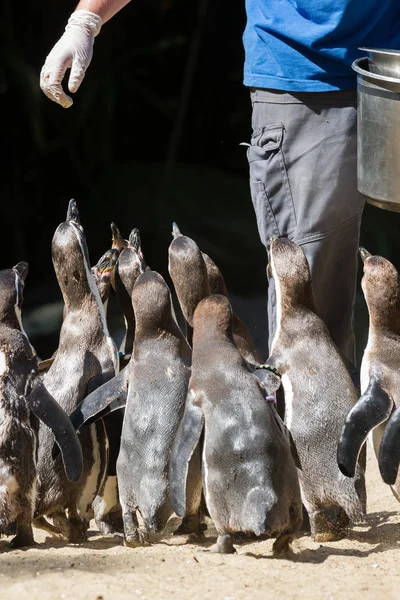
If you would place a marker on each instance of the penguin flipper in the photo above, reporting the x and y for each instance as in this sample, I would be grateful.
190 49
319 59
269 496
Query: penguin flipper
43 405
107 398
96 404
186 440
372 409
389 450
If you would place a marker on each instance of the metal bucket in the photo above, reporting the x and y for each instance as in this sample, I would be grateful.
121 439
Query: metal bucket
378 136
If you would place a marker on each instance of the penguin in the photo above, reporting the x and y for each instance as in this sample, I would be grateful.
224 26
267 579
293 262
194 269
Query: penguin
106 507
24 401
154 386
319 393
380 376
155 403
249 474
86 357
130 265
195 276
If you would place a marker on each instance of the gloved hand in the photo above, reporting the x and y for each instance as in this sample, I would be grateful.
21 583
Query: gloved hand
73 50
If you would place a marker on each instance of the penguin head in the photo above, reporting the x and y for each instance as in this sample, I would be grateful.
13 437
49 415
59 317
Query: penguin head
71 259
103 272
12 283
381 286
118 241
151 301
135 241
129 266
213 314
188 272
289 268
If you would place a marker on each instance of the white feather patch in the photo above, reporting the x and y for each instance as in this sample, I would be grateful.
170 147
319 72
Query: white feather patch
3 363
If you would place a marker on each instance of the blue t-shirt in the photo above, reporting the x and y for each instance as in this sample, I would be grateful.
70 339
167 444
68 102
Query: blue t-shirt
309 45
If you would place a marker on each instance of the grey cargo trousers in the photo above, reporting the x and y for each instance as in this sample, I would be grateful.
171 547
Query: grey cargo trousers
303 178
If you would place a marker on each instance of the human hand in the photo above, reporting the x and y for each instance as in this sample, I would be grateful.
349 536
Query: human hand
73 50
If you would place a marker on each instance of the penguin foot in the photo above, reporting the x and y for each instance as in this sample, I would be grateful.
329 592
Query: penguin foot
224 545
55 531
133 537
77 531
328 536
135 540
329 529
24 536
61 523
282 543
191 525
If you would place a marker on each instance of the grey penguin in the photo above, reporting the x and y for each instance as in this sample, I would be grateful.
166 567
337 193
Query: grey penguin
160 370
249 474
153 388
319 393
23 402
195 276
380 375
86 357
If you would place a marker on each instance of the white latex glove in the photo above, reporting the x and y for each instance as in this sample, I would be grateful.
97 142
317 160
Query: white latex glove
73 50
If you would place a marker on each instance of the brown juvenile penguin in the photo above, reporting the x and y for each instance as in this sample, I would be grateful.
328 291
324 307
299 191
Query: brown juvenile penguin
319 393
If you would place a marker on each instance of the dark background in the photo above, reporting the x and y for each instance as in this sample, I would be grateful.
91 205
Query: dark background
139 149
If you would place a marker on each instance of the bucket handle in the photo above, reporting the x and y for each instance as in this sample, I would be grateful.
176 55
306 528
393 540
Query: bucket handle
370 75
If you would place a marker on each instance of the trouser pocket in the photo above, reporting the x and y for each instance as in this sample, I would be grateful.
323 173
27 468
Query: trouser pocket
269 183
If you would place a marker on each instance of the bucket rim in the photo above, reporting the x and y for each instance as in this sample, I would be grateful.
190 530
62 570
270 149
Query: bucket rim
374 76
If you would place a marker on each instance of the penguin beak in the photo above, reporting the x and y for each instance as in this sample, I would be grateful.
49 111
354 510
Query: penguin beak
135 241
175 231
118 241
364 254
73 213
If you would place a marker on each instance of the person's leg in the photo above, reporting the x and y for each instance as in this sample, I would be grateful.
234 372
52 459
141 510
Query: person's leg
303 178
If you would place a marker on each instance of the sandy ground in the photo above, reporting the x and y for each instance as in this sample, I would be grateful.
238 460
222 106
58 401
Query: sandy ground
366 565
